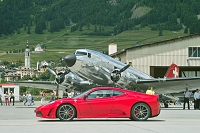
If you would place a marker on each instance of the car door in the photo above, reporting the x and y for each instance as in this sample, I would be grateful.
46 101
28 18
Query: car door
98 104
119 103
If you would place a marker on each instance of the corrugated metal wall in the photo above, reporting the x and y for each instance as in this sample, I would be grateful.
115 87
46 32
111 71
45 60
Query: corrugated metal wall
162 54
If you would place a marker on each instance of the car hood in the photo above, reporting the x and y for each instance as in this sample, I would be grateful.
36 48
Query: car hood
57 102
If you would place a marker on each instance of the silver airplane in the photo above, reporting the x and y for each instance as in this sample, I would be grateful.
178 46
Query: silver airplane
99 69
88 68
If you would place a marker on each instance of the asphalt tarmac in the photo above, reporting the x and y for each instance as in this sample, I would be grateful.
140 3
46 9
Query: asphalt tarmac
21 119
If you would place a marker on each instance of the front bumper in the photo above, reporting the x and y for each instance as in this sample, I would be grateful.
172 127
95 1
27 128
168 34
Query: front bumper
45 112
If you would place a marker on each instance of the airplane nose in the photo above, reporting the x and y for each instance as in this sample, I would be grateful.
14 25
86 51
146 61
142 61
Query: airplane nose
70 60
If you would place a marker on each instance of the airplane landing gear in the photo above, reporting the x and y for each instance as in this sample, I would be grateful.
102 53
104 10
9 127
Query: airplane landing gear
166 105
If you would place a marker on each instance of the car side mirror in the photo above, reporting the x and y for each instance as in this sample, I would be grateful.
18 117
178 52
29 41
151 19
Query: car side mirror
85 97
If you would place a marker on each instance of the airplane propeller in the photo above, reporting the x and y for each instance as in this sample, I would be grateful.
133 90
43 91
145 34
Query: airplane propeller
124 68
60 77
52 72
116 73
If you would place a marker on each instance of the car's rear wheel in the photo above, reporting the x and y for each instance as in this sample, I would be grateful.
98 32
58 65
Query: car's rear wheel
140 112
66 112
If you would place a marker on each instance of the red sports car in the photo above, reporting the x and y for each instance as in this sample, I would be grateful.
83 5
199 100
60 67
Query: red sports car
103 102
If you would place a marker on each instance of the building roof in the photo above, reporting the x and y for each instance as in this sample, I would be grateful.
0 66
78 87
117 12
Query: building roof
155 43
38 48
7 85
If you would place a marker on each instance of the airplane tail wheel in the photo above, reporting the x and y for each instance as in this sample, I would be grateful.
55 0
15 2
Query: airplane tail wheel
66 112
140 112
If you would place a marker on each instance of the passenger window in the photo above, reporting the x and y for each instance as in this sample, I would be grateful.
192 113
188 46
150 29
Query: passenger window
117 93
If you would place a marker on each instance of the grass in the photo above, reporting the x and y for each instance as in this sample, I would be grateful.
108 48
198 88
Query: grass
59 44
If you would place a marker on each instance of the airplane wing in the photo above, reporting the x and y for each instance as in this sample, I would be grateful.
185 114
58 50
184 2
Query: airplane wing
49 85
169 85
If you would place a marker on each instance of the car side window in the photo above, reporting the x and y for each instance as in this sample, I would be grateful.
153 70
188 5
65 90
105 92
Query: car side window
100 94
92 95
107 93
117 93
95 94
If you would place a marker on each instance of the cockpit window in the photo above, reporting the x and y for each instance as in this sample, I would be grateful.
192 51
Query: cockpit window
81 53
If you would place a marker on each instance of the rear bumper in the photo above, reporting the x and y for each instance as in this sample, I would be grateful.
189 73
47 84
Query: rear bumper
157 114
156 110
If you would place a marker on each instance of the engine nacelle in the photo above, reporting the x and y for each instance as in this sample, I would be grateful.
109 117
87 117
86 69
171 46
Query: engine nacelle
60 77
115 75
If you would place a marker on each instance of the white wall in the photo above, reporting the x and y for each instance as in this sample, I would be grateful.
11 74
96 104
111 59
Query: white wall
16 91
163 54
112 48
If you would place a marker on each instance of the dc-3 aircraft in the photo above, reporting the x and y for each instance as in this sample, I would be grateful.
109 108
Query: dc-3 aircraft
86 68
100 69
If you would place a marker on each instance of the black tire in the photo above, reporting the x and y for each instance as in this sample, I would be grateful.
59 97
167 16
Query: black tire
166 105
66 112
140 112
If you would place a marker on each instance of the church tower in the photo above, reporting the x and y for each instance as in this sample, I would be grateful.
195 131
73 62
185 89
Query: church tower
27 57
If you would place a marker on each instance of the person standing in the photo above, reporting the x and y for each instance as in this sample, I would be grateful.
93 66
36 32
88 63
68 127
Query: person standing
6 95
25 96
149 91
152 91
12 97
1 100
32 100
29 98
43 97
53 96
196 99
65 95
187 95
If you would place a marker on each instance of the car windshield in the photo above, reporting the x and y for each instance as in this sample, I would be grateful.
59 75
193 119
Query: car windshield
80 95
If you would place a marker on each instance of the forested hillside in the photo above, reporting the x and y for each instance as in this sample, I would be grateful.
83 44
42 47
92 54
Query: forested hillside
121 15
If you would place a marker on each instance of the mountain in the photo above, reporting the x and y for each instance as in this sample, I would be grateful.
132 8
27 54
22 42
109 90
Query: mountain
62 26
120 14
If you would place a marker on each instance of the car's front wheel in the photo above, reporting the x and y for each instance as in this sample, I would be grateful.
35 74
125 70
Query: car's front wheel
140 112
66 112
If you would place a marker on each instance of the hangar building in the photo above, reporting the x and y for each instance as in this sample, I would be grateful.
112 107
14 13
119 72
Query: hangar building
155 58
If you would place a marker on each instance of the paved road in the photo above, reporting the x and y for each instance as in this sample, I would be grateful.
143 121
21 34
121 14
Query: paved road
21 119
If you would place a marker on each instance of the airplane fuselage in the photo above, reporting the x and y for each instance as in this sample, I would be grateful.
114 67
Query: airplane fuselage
96 67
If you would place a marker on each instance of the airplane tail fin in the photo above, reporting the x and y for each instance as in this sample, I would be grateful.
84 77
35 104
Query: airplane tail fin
172 72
